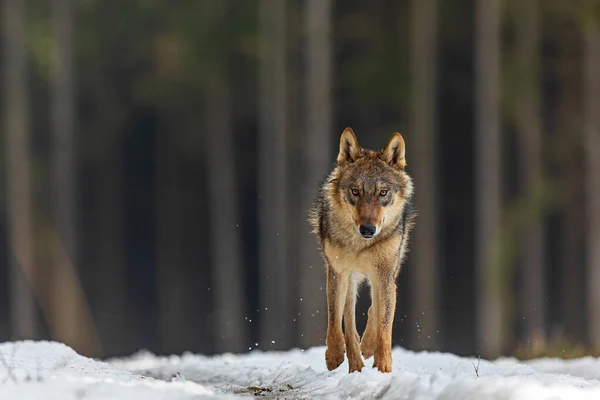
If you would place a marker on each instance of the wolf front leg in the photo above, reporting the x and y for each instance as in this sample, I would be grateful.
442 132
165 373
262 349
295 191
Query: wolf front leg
355 362
386 289
337 287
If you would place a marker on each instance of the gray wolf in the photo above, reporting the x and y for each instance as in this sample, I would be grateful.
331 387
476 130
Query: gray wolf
362 218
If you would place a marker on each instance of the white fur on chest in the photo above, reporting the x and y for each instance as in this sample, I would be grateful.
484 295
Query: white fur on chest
366 261
344 261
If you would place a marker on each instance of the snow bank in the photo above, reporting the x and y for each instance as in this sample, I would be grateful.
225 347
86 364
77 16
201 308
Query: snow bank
416 375
50 370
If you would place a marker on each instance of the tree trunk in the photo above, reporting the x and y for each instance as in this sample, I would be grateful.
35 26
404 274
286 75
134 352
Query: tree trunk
169 249
317 159
107 262
569 128
16 116
592 146
63 127
275 318
490 335
424 283
530 135
71 322
227 271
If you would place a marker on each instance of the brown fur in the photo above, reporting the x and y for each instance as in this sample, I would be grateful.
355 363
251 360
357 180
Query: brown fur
366 187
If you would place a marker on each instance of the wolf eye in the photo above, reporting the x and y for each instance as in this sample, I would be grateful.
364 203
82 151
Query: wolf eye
355 192
383 192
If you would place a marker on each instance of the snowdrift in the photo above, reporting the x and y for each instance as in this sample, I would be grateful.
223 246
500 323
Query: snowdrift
49 370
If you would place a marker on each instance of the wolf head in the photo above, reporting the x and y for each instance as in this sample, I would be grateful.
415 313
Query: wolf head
371 187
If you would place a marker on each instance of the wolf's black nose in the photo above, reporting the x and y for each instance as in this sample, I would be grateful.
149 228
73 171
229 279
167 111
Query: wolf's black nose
367 231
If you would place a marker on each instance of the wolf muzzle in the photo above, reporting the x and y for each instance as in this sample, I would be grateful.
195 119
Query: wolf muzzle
367 231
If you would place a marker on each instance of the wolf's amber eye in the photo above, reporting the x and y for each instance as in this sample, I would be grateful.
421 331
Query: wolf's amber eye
355 192
383 192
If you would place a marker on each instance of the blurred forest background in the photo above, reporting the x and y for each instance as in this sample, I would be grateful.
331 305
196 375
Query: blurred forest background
159 158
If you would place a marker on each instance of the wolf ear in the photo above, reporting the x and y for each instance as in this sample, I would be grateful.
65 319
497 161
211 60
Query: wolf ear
393 153
350 150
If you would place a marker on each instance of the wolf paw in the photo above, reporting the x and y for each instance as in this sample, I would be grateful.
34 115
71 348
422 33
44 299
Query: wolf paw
355 364
334 357
383 363
367 347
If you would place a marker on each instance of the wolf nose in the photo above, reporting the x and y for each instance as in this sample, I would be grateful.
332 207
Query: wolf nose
367 231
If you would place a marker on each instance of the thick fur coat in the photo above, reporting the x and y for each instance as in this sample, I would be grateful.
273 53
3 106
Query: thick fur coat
362 218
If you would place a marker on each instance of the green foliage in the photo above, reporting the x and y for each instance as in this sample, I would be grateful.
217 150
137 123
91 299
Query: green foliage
517 215
557 347
39 39
379 74
589 14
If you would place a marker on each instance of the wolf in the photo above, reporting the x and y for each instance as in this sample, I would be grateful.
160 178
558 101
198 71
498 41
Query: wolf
362 218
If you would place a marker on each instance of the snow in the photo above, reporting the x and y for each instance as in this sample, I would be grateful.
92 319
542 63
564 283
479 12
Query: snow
49 370
416 375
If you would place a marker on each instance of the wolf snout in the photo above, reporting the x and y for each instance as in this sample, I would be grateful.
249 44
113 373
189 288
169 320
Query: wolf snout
367 231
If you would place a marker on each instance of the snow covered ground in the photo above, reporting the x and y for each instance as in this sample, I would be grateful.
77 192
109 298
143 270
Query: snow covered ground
48 370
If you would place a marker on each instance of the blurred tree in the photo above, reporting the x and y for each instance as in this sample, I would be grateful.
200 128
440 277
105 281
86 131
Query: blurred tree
490 324
194 54
71 320
173 286
591 84
182 50
316 150
105 79
63 126
424 285
17 118
172 305
149 171
568 162
228 274
529 134
204 58
275 318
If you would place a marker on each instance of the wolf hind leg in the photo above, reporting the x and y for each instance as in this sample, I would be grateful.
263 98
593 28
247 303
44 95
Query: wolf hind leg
351 336
368 344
